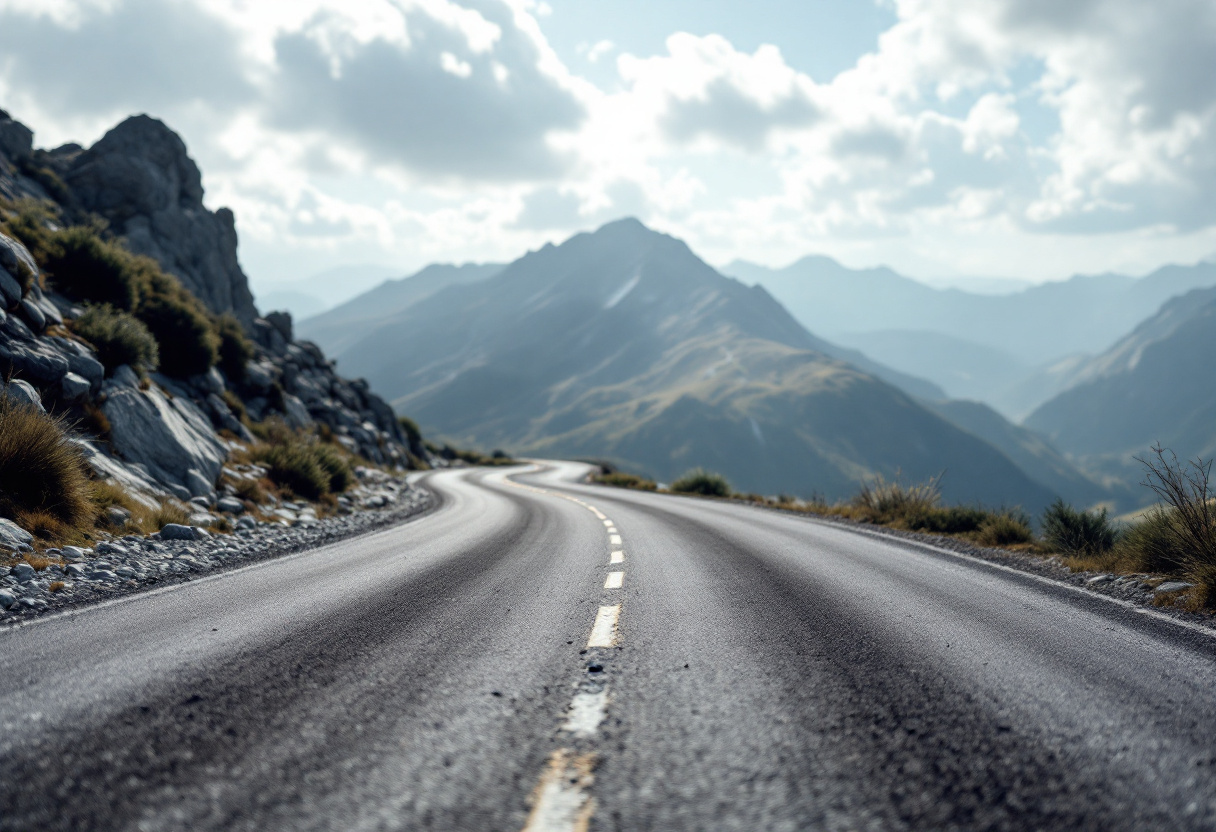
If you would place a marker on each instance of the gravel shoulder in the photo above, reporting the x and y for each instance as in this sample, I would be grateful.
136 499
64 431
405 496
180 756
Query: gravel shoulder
134 563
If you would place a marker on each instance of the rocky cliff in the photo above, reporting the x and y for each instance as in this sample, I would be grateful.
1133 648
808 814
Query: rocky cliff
160 434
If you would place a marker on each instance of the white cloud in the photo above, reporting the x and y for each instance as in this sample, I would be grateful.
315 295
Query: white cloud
1016 128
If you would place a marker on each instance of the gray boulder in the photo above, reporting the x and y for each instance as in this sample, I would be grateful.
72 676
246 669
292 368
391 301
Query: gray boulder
13 536
176 531
15 257
140 178
172 438
32 314
10 289
16 140
73 388
24 392
50 312
199 485
230 505
297 414
32 358
282 322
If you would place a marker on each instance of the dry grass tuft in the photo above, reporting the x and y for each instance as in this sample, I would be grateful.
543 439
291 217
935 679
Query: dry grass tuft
55 586
43 484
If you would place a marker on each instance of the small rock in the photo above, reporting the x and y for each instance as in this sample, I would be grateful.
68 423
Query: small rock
24 392
72 553
7 599
247 523
1100 579
126 572
103 575
230 504
117 516
24 572
73 388
1172 586
76 570
108 548
176 531
33 314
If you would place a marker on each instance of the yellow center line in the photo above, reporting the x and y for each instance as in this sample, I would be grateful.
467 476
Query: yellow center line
560 802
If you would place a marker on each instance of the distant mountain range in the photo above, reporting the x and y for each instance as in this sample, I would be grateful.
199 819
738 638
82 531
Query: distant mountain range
1003 349
623 344
351 321
1153 385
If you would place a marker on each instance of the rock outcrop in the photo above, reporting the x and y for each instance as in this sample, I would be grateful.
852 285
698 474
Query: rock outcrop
160 436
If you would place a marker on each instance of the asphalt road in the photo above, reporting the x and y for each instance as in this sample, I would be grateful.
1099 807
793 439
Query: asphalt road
759 671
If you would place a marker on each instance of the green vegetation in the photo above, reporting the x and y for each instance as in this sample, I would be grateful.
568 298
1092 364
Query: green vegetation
87 265
451 453
119 338
235 349
1077 533
623 480
300 463
188 342
700 481
43 484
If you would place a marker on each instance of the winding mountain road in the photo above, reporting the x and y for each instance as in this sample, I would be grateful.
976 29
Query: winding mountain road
537 654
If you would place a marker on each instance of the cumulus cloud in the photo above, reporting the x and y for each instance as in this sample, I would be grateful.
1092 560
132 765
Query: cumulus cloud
410 125
74 59
433 99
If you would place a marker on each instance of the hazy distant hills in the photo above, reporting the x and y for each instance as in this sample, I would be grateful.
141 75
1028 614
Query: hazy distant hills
1003 349
624 344
313 295
343 325
1154 385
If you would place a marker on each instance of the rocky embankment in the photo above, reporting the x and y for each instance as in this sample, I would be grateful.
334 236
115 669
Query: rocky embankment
196 464
70 576
161 438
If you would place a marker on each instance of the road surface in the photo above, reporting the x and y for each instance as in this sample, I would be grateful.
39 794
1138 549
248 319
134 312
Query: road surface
538 654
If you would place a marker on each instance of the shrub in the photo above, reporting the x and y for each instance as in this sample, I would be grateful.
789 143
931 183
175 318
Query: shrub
188 343
335 466
946 520
119 338
29 220
884 502
412 433
700 481
85 267
42 474
294 465
1079 533
623 480
1181 531
235 348
167 513
1150 545
1005 528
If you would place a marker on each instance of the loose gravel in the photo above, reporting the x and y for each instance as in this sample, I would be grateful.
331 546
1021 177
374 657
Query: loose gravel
135 563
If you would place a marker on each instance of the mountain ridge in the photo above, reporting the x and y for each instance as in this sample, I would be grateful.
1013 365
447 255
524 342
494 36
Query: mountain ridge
623 342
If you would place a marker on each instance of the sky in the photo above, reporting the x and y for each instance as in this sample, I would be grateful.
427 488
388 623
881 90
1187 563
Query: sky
1027 139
